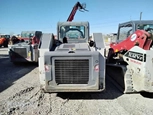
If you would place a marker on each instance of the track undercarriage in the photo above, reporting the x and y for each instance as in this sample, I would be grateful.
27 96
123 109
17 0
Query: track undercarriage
120 72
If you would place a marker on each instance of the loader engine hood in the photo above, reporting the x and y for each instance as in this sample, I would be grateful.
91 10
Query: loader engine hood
73 47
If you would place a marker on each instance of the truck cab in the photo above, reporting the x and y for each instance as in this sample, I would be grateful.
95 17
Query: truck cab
72 66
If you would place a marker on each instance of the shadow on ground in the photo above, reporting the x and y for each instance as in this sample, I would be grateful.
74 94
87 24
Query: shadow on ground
114 76
111 92
10 72
147 95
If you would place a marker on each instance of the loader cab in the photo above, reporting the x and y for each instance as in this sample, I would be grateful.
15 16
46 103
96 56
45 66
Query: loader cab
75 32
128 28
148 26
5 36
124 30
28 35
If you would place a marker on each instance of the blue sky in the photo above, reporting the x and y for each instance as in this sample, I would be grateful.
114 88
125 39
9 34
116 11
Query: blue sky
103 16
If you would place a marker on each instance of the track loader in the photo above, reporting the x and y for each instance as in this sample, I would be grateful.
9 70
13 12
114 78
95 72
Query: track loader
132 53
25 48
4 39
70 63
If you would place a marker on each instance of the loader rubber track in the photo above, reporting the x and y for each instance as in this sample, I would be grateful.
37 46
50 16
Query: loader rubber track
122 75
128 81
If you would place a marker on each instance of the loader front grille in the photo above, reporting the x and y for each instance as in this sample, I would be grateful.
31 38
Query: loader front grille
20 52
72 71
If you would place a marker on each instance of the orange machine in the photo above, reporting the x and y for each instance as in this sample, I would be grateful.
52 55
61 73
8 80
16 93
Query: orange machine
4 40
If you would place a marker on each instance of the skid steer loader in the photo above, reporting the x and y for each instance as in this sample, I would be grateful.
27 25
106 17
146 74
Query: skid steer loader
70 63
25 48
132 53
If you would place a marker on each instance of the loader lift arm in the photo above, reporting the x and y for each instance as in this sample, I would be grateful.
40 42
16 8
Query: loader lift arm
77 6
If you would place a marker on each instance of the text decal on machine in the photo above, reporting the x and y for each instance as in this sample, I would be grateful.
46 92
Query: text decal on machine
135 55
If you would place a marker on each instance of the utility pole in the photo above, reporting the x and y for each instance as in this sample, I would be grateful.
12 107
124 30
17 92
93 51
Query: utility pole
140 15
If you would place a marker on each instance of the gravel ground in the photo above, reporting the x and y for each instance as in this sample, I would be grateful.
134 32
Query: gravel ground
20 94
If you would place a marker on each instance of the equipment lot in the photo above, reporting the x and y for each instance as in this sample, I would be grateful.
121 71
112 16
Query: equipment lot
20 94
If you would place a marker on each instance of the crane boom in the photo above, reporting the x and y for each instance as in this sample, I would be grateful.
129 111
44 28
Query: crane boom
73 12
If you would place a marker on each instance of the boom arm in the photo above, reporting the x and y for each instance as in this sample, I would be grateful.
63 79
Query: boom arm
75 8
139 38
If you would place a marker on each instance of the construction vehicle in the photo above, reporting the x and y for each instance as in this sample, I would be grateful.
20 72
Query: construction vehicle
132 54
70 63
25 48
4 39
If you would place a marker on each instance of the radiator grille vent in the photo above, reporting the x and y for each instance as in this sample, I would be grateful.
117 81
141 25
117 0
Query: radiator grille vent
20 52
72 71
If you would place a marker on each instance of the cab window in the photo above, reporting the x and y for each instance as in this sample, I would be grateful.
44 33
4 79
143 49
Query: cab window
125 31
